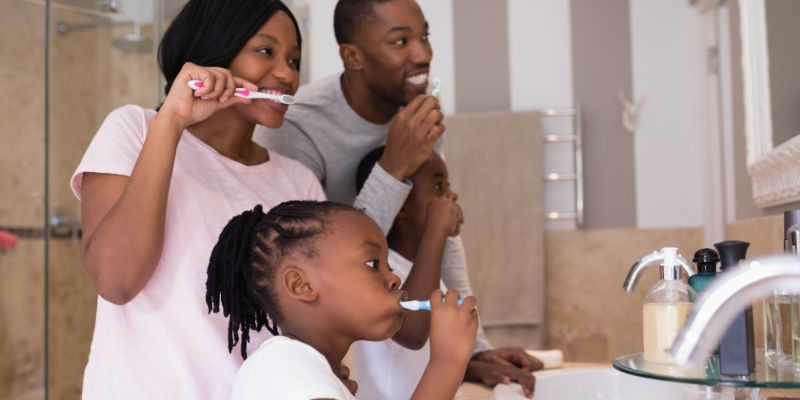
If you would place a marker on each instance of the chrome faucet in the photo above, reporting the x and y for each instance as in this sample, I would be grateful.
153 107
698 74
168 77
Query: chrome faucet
646 261
730 294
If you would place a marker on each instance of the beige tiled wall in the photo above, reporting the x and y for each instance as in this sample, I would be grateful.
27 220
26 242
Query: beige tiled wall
589 316
22 199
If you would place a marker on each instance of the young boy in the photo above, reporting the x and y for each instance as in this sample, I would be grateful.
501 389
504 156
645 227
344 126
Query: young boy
385 370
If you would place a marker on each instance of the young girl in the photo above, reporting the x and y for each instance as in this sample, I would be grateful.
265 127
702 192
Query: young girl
157 187
317 272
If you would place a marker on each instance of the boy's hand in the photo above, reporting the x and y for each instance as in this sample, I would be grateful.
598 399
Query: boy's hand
444 215
510 356
453 328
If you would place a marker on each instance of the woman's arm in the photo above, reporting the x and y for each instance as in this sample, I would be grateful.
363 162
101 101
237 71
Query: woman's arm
124 217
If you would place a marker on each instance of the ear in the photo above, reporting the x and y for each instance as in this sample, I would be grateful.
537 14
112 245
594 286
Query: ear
351 55
297 284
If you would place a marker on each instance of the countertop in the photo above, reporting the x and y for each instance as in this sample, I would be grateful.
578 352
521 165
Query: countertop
476 391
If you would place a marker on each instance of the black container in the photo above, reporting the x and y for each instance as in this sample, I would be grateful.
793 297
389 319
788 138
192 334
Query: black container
736 350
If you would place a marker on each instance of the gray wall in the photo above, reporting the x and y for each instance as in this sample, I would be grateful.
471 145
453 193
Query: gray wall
601 65
601 54
481 54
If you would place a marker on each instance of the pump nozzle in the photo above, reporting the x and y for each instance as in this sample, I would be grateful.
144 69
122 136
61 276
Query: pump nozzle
670 259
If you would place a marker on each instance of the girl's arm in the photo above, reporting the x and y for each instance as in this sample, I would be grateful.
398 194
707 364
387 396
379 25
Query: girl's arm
425 274
123 217
453 329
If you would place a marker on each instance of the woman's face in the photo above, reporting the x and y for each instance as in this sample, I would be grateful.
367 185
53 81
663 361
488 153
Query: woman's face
271 61
359 292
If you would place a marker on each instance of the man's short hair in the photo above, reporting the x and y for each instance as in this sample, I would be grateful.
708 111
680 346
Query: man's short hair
350 16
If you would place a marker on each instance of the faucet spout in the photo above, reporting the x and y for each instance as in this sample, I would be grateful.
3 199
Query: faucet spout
730 294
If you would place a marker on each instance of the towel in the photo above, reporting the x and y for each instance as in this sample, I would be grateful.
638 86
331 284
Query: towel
495 165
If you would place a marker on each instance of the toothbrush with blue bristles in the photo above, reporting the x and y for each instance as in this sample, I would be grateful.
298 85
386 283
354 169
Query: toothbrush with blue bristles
418 305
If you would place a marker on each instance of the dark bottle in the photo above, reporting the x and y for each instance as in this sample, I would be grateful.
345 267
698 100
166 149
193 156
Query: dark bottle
706 261
736 351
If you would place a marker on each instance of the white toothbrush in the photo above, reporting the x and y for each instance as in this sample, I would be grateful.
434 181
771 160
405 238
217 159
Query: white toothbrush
437 87
249 94
417 305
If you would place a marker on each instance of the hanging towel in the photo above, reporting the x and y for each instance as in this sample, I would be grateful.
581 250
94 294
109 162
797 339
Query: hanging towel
495 165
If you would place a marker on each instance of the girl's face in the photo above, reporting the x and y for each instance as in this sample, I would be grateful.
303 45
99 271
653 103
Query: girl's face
270 60
360 294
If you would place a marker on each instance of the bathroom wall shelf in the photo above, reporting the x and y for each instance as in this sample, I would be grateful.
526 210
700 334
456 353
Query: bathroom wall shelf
763 377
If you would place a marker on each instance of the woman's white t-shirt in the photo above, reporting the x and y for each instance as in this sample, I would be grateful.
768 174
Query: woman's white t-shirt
287 369
164 344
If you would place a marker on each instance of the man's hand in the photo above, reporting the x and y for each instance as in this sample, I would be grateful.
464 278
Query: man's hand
510 356
504 365
344 376
412 136
492 374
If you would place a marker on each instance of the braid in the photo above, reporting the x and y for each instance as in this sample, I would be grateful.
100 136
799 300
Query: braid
247 256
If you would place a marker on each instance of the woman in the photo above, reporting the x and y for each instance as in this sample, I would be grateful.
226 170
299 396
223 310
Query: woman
157 187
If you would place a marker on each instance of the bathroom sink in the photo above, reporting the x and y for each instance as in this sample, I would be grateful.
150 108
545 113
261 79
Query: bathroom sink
593 384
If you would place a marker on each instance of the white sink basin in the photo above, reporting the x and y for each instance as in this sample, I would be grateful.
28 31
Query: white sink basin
593 384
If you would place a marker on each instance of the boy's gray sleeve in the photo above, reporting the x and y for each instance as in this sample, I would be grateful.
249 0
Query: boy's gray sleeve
382 197
455 276
292 141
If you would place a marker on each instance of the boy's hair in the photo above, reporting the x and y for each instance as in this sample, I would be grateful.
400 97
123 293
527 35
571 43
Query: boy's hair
247 256
211 33
366 165
350 16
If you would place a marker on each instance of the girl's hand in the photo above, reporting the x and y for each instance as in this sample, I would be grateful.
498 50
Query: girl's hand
444 215
453 328
185 107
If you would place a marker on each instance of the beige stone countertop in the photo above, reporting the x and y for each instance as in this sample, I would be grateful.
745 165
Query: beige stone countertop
475 391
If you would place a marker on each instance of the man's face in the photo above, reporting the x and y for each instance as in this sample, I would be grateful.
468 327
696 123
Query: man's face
396 50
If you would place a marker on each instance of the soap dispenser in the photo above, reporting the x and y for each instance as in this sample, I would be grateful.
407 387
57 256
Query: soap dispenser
706 261
666 304
736 351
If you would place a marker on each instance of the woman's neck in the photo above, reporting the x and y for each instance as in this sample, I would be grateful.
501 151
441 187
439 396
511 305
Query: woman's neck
365 103
231 135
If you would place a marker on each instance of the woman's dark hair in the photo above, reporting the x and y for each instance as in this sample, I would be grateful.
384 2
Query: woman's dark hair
247 256
211 33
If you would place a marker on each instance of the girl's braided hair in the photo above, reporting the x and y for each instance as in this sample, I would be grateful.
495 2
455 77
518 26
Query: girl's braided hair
247 256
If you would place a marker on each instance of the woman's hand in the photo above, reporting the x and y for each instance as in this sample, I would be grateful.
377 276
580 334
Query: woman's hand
184 106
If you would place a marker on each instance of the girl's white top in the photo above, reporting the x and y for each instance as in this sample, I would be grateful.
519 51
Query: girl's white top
164 344
288 369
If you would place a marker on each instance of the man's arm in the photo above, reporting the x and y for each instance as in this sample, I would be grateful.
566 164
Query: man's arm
382 197
455 276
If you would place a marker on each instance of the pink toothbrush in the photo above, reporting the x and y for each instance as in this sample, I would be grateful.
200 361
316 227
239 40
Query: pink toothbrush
249 94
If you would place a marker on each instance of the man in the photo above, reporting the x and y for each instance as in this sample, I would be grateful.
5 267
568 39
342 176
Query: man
380 98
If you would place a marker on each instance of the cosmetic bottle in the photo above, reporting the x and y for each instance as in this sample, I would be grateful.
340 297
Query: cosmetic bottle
736 352
665 309
706 261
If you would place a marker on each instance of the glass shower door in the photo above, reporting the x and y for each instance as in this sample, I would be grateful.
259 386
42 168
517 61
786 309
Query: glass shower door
102 56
